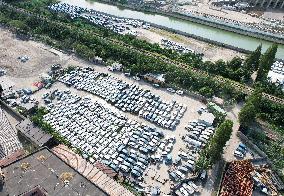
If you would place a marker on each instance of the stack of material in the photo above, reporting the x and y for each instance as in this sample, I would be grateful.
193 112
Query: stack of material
264 179
237 179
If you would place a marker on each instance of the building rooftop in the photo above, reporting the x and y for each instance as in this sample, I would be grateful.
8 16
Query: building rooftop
34 133
9 142
276 74
97 173
45 173
207 118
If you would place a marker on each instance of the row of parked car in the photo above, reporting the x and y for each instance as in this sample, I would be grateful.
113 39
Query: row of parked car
198 134
278 67
240 151
196 138
103 133
127 97
186 188
118 25
175 46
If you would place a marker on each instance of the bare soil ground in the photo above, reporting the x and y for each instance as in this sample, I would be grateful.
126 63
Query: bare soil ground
11 49
210 51
277 14
41 57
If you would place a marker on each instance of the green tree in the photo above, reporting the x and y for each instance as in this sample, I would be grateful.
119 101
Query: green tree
266 62
251 63
213 151
247 115
19 25
206 91
251 108
219 140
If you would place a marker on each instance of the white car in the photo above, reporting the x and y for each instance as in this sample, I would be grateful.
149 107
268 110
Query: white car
179 92
136 78
238 154
171 90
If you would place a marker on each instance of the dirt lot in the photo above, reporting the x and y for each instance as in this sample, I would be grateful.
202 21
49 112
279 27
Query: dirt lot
24 73
210 51
274 14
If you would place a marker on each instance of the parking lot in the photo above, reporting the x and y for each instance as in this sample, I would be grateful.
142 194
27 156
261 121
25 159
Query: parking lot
155 174
153 155
116 24
171 144
165 146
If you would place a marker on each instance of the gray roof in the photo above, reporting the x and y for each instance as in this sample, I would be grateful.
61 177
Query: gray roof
44 172
34 133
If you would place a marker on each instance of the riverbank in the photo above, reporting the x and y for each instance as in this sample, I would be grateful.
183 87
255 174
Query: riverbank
204 21
205 33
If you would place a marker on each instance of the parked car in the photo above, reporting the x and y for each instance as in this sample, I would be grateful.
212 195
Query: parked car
238 154
179 92
171 90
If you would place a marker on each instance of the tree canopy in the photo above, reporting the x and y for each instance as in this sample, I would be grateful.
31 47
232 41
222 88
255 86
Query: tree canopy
266 62
251 108
251 63
214 150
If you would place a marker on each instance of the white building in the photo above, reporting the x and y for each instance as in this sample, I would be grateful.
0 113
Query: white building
276 74
207 118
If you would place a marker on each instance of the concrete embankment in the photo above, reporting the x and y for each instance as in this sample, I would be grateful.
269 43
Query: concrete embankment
186 34
204 21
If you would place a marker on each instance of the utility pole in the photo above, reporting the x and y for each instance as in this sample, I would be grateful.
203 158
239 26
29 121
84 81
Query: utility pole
1 91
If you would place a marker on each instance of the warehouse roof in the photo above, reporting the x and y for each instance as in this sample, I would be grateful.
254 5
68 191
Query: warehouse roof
34 133
45 173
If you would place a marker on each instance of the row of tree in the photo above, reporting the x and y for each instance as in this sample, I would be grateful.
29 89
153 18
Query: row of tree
265 63
250 109
214 149
236 69
258 107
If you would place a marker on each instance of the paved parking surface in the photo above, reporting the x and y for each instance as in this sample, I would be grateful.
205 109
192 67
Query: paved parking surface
190 114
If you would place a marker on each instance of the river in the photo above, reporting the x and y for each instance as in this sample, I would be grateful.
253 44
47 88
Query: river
230 38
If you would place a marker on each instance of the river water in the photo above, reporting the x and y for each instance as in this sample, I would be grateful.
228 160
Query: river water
230 38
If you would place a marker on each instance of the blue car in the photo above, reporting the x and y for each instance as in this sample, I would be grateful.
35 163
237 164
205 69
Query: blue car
241 145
